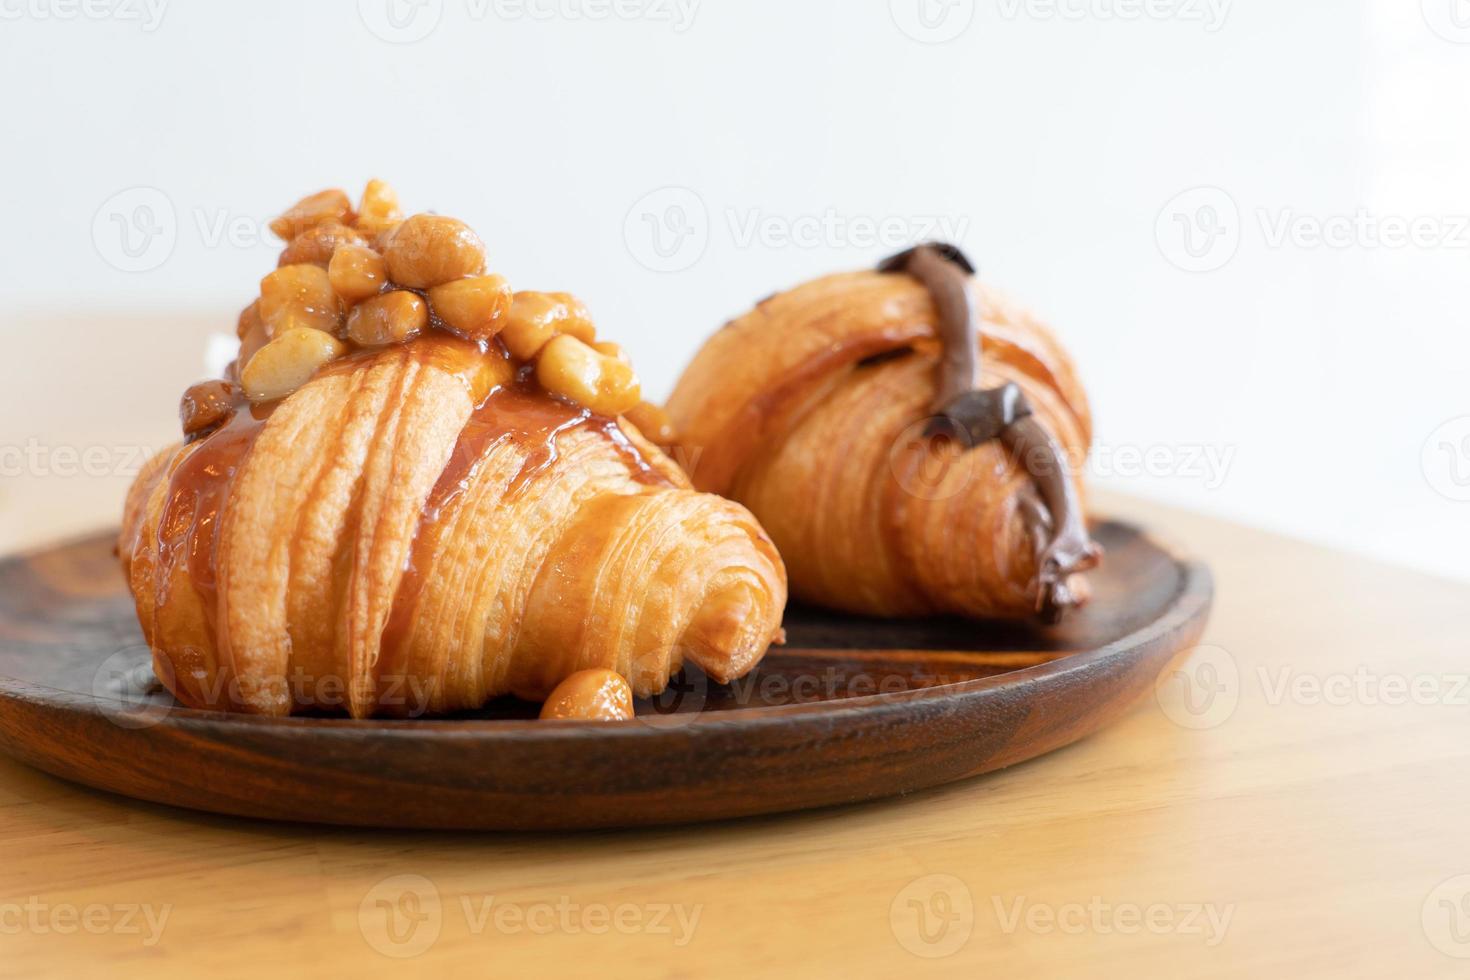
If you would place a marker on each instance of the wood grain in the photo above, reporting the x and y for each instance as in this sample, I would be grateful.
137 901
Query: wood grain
1327 828
850 709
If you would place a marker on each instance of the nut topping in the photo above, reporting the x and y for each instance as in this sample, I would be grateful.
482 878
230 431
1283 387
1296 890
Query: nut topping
205 405
475 307
388 319
310 211
362 280
288 362
429 249
590 695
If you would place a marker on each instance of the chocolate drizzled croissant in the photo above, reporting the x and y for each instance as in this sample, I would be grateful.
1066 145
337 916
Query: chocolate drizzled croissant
910 441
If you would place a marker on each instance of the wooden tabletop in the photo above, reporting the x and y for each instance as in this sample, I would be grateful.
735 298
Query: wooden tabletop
1293 802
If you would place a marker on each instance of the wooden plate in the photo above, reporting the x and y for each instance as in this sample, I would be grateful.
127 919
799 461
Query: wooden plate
850 709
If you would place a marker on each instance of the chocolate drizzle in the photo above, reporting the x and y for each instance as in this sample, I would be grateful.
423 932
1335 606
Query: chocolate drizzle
1055 519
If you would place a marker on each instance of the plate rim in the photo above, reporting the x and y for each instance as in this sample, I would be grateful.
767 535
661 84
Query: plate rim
1191 601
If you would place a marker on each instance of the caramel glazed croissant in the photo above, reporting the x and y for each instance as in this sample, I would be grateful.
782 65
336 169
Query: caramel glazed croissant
899 471
415 491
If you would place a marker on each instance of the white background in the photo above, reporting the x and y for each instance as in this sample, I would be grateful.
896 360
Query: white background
1055 138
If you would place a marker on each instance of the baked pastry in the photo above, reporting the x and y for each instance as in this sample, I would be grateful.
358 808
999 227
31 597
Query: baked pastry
910 440
415 491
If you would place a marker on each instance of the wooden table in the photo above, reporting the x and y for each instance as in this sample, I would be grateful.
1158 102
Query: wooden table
1294 805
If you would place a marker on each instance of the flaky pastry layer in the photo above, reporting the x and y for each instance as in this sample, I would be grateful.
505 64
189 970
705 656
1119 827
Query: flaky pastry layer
383 543
812 410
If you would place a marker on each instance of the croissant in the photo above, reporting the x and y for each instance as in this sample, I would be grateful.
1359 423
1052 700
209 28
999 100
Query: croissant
910 440
401 516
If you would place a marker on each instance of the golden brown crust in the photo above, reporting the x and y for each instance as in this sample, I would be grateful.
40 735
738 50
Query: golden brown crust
752 374
529 569
789 410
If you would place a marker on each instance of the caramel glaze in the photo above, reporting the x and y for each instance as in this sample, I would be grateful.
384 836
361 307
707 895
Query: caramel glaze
189 528
520 412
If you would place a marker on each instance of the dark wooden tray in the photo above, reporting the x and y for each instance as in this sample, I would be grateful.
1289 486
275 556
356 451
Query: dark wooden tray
851 709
